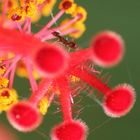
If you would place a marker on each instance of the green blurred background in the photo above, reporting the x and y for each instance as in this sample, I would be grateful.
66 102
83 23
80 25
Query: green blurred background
123 17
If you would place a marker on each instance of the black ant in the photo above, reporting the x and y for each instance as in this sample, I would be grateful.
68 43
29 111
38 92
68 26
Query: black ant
70 44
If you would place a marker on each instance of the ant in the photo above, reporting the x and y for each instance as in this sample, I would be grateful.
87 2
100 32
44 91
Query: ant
71 44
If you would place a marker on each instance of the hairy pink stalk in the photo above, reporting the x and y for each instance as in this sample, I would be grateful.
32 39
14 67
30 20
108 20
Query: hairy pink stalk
30 73
65 100
85 54
40 92
19 27
91 80
24 116
67 24
9 69
117 102
106 50
47 34
12 74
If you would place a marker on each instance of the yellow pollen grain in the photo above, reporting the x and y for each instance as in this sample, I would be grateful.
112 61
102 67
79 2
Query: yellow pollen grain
74 79
17 14
48 7
43 105
80 29
8 97
81 12
3 82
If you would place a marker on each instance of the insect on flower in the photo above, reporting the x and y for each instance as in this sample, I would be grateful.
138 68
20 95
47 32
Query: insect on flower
57 70
70 44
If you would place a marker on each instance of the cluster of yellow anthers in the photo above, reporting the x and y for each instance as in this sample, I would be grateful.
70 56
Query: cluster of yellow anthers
74 10
19 10
8 96
33 9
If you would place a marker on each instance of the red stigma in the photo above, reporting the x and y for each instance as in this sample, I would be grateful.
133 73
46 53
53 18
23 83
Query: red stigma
73 130
24 117
107 48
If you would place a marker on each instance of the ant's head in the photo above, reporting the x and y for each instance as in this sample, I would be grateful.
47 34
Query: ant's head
55 33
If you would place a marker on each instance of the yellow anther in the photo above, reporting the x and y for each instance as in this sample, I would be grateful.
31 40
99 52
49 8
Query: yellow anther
8 97
80 29
74 79
81 13
47 8
17 14
22 2
3 57
68 6
11 4
3 82
30 9
11 55
78 26
40 1
21 71
2 69
65 21
43 105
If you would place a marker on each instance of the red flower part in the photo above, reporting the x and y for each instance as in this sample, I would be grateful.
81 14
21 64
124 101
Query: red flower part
71 130
24 117
52 60
65 94
119 101
49 59
107 48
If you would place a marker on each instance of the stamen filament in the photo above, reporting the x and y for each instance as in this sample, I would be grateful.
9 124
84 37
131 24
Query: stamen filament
91 80
65 100
12 74
17 58
40 92
31 78
56 17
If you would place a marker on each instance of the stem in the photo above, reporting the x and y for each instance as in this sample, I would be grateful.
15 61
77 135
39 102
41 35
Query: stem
67 24
56 17
19 26
12 77
91 80
85 54
31 78
50 98
16 59
29 25
65 100
40 92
